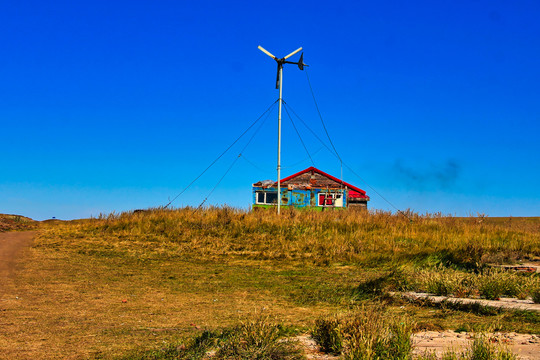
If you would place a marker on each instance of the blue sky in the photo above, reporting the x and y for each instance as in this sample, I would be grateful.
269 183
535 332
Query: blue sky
111 106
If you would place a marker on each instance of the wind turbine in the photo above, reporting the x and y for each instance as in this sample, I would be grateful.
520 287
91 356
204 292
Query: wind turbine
279 85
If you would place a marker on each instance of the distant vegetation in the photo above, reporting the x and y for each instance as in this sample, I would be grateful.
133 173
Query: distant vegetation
16 222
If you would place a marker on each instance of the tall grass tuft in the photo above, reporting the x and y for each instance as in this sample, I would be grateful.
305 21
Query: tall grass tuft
365 334
488 283
328 334
258 339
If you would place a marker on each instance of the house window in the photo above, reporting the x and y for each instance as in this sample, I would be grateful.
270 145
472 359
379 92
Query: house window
330 199
271 197
266 197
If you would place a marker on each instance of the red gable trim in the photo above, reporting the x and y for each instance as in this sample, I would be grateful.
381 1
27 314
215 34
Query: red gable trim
312 168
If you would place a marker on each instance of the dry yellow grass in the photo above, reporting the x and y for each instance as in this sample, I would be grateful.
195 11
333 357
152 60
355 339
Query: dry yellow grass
302 236
16 222
214 267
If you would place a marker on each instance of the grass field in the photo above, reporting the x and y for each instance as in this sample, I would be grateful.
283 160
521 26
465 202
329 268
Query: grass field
126 285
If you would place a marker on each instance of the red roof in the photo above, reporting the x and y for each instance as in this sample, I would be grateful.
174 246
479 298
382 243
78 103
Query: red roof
361 193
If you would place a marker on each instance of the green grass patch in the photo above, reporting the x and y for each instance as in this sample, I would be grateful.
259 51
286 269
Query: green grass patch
258 339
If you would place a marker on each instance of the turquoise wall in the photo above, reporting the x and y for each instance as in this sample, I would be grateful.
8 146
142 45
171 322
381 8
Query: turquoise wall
296 197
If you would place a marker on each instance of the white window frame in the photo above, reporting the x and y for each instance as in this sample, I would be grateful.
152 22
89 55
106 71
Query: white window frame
265 201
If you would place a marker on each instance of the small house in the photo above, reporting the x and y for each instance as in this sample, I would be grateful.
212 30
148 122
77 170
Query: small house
309 188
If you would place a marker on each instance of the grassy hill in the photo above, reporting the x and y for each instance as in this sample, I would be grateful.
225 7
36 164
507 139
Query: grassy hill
140 283
15 222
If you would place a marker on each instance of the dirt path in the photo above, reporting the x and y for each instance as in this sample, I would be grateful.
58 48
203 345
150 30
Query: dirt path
12 245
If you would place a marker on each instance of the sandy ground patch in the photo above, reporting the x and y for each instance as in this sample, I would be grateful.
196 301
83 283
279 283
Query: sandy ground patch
525 346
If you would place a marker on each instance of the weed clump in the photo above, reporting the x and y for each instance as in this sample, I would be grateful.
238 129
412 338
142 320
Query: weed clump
258 339
328 334
365 334
442 281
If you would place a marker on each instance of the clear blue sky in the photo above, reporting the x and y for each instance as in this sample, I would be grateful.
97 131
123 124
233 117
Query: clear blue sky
117 105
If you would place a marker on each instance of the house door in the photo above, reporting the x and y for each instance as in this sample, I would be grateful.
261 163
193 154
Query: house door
339 200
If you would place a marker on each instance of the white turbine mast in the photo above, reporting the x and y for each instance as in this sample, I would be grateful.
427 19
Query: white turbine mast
279 85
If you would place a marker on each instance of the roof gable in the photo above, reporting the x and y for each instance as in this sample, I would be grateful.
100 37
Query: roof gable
302 174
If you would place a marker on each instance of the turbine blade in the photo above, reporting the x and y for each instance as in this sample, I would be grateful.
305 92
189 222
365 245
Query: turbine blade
291 54
267 52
